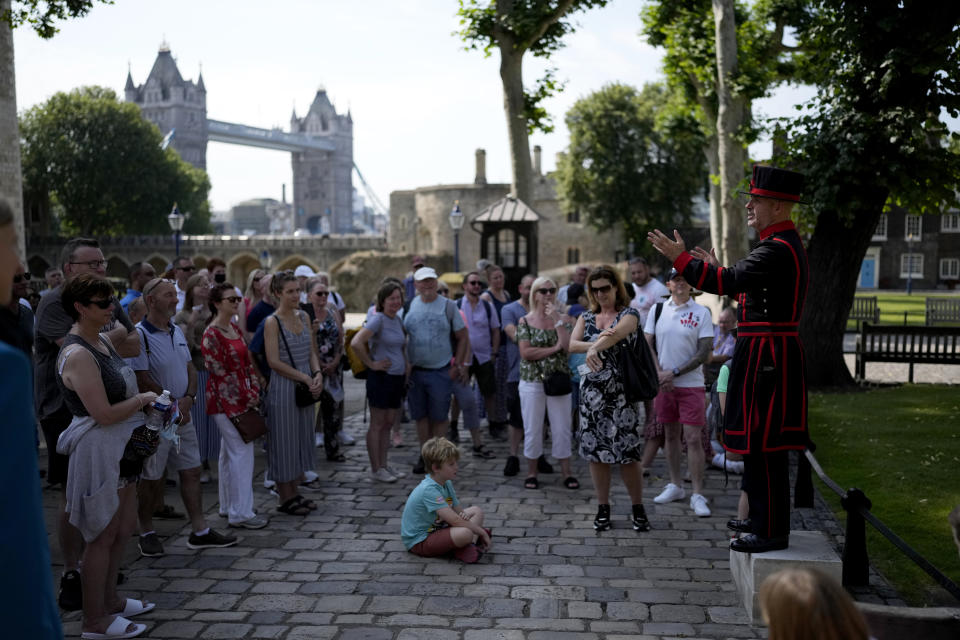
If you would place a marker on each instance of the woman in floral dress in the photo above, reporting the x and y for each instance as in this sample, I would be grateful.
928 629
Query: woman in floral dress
542 338
610 427
233 388
325 321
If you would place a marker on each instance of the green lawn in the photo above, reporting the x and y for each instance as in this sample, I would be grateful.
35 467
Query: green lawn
894 304
901 446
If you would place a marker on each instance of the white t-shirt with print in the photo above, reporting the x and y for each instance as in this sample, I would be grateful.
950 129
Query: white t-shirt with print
646 296
678 330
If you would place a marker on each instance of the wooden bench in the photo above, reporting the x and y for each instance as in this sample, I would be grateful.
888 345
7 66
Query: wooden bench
913 345
942 311
864 309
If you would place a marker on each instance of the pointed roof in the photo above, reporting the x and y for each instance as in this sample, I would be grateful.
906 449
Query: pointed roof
200 84
507 209
130 86
165 71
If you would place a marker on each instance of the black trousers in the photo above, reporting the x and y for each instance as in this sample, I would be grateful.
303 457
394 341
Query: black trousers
766 479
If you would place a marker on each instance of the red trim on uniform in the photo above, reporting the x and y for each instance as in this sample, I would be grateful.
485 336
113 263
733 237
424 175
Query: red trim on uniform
682 261
774 228
766 334
769 324
783 384
703 275
766 193
720 281
796 264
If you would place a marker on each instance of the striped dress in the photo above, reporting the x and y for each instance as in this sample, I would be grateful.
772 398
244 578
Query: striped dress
290 447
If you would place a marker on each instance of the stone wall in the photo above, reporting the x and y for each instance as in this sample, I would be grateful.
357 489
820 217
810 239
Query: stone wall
357 277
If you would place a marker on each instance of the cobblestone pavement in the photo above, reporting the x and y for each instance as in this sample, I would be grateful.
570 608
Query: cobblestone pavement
342 571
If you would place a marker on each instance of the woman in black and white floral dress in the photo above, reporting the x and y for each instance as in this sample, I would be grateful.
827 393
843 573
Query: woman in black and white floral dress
610 427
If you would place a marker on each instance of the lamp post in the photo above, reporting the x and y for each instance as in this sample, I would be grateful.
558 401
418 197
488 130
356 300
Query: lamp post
456 223
909 263
176 224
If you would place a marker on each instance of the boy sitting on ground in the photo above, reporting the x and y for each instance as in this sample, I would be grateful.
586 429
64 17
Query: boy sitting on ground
433 522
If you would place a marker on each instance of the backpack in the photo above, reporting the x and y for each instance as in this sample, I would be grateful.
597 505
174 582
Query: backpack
357 367
449 310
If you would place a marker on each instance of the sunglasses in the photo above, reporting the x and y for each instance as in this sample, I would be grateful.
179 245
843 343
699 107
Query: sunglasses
187 268
103 304
157 283
233 299
475 283
321 293
547 290
603 289
21 277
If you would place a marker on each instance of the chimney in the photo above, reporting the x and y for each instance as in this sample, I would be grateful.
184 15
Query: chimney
481 167
284 192
536 160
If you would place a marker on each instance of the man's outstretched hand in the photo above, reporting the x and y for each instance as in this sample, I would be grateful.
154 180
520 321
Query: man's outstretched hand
671 249
709 258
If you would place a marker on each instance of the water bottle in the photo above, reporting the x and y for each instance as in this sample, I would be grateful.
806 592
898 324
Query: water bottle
160 407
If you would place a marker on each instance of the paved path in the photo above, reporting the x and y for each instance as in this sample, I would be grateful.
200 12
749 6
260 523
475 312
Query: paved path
342 572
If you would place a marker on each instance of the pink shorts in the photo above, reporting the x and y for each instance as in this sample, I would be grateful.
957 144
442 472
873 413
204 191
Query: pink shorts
683 405
437 543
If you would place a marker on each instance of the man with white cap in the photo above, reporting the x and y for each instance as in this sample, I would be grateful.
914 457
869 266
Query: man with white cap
429 321
303 273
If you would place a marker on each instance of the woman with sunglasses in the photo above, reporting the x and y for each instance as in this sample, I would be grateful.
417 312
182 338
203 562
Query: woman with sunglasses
233 388
100 390
325 322
193 320
543 339
251 296
609 430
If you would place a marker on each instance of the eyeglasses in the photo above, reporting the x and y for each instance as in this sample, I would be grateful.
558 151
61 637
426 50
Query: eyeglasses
21 277
103 304
603 289
233 299
93 264
547 290
187 268
153 284
321 293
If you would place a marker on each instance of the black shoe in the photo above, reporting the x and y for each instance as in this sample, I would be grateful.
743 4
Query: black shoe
543 466
512 467
752 543
639 520
743 526
71 591
210 540
602 521
498 431
453 434
419 468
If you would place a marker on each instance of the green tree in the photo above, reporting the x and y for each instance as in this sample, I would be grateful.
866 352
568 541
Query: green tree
41 16
722 55
634 160
871 139
101 162
515 27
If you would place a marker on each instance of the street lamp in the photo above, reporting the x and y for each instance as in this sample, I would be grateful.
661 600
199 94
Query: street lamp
909 263
176 224
456 223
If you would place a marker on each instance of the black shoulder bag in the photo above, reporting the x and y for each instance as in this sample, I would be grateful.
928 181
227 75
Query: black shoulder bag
301 390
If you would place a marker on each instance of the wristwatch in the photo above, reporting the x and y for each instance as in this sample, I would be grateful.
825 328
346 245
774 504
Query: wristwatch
675 372
192 396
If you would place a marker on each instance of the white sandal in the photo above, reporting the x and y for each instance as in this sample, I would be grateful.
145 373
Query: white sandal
116 631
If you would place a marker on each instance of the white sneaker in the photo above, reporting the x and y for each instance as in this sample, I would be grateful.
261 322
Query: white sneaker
699 505
346 439
670 493
382 475
396 474
310 476
318 440
268 484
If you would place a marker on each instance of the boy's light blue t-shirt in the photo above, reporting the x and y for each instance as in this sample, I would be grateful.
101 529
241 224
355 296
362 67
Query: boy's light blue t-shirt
420 513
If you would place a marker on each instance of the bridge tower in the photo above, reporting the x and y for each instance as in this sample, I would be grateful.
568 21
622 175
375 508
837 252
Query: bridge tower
170 102
322 180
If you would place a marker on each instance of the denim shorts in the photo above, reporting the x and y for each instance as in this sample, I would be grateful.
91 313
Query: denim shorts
429 394
384 390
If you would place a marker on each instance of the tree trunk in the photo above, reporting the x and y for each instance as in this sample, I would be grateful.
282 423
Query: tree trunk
511 75
716 212
730 117
835 253
11 178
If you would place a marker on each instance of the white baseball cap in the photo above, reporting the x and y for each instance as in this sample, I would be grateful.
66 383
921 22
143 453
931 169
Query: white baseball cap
304 270
423 273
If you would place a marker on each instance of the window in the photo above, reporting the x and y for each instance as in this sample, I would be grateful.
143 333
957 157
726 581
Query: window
573 255
911 265
507 248
403 223
573 217
880 233
950 269
913 227
950 223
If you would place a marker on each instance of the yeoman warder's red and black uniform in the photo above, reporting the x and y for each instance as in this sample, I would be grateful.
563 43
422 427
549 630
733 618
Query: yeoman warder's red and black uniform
766 406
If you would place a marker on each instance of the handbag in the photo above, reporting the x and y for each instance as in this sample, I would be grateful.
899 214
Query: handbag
302 395
250 425
640 381
557 384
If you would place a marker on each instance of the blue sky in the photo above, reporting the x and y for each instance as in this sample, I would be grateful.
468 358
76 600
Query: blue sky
421 104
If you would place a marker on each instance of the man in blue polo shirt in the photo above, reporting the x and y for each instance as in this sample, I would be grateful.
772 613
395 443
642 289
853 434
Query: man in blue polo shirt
164 363
140 274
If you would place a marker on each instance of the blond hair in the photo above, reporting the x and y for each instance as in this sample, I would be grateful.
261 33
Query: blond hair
436 451
537 284
807 604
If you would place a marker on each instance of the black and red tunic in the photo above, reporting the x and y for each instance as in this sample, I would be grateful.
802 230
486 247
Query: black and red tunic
767 393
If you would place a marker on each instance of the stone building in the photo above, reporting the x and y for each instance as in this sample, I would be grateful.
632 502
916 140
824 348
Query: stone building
174 104
419 222
322 180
